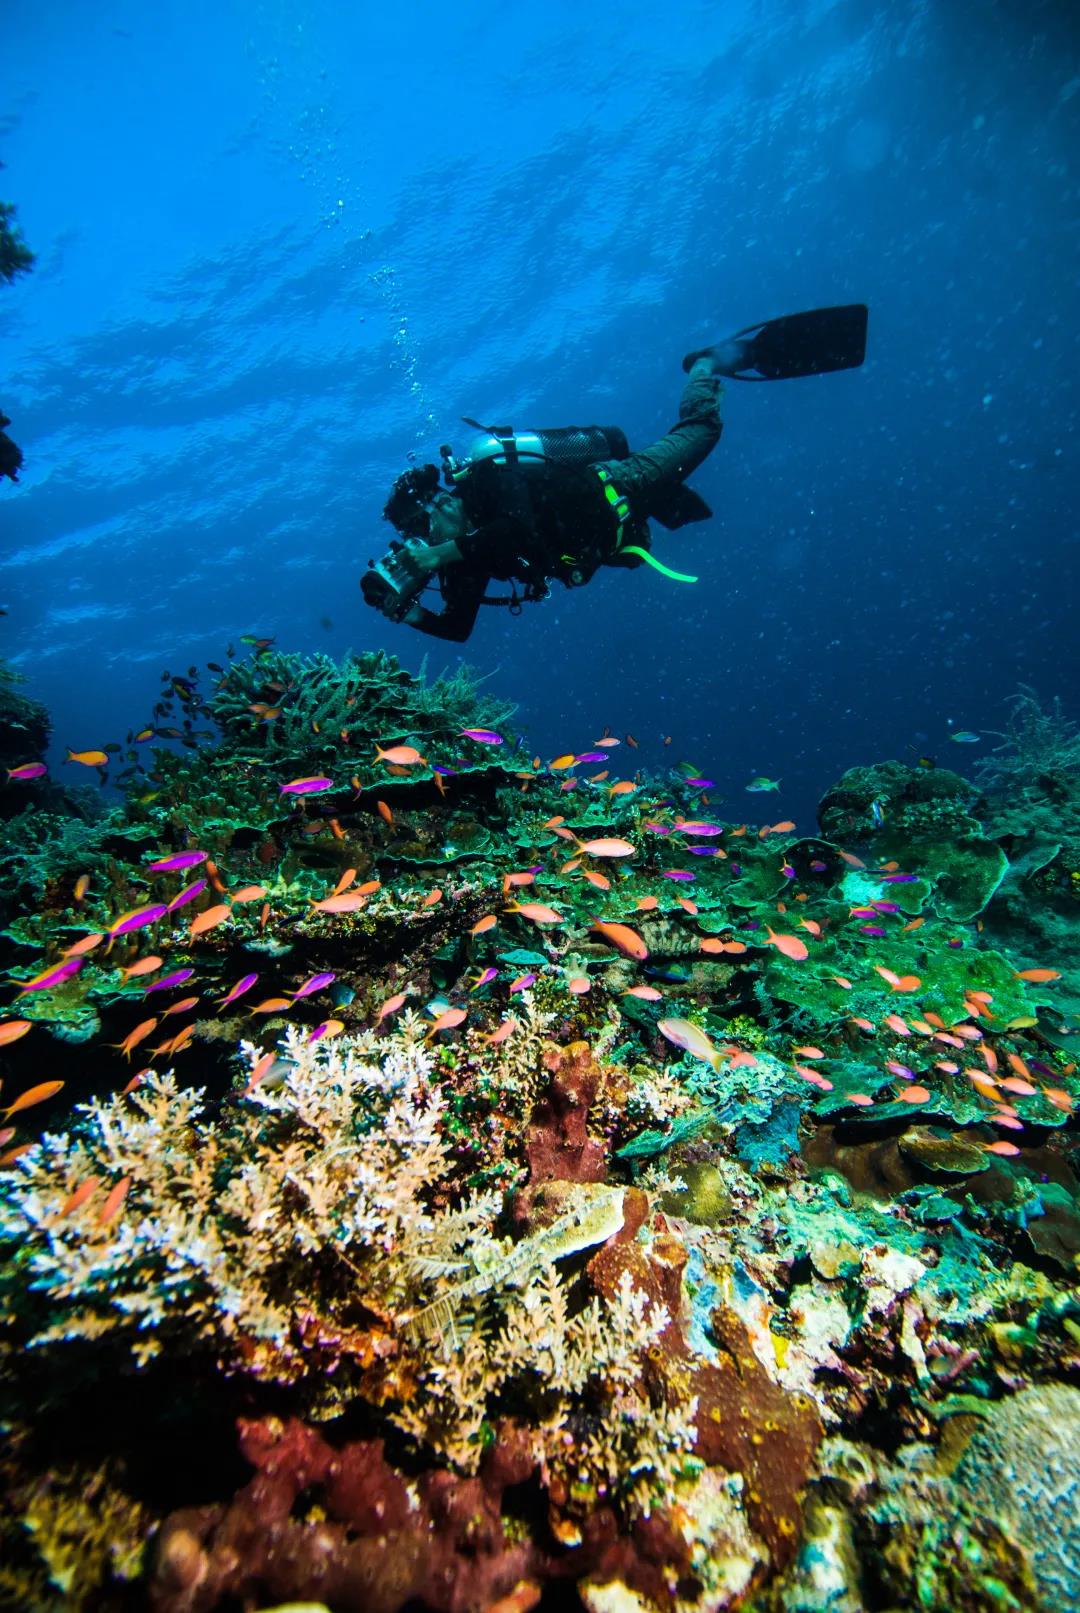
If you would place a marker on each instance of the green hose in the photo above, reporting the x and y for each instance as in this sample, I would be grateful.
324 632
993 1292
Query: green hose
676 576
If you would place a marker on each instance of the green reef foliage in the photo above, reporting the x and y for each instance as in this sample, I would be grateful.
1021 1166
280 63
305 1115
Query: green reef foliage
436 1177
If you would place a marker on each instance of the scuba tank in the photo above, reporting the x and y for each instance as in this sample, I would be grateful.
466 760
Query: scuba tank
533 453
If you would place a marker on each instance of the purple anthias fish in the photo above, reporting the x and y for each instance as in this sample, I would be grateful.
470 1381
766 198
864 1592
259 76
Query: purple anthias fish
701 783
872 929
27 770
787 871
703 829
955 942
485 979
593 756
886 907
818 867
736 868
704 851
239 989
899 879
182 859
658 828
437 767
318 1033
169 981
483 735
316 983
899 1069
306 786
188 894
677 873
862 913
54 977
524 982
139 919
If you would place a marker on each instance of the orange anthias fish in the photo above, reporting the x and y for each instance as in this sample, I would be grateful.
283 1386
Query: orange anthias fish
789 945
447 1020
248 893
88 758
38 1094
384 812
537 911
133 1038
1037 976
141 966
647 904
399 755
488 922
87 943
607 848
347 902
12 1029
391 1005
622 936
344 882
208 919
507 1028
114 1201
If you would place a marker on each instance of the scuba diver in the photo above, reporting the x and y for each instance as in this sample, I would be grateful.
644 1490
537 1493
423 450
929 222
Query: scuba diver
532 507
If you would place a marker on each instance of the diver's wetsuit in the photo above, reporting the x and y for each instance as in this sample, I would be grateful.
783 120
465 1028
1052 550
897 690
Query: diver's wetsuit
570 527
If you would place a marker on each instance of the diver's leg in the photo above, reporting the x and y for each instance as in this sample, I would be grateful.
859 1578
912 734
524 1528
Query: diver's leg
675 456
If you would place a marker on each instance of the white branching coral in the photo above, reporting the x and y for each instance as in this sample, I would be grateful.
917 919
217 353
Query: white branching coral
305 1204
317 1233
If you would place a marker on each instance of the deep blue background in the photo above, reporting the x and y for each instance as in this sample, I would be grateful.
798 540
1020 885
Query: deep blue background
279 250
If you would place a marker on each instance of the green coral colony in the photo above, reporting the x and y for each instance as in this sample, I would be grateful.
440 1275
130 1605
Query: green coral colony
435 1178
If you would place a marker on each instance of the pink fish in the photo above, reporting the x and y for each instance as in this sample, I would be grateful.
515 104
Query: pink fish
138 918
27 770
238 990
483 735
702 829
52 977
306 786
169 981
447 1020
188 894
677 873
181 859
507 1028
316 983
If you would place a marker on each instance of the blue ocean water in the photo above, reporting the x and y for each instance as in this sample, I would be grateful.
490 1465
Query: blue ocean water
283 248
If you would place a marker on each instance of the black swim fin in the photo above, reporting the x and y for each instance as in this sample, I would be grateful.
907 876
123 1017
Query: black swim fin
813 343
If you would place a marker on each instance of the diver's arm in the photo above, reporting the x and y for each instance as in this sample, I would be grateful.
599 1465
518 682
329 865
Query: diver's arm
456 621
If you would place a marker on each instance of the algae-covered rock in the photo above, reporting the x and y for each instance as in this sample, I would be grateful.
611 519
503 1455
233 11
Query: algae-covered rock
910 802
1022 1468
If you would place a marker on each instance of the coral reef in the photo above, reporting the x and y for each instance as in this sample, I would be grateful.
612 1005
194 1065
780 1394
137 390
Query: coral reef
478 1180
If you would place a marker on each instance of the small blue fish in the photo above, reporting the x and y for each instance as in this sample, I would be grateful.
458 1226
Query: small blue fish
877 816
758 786
964 736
